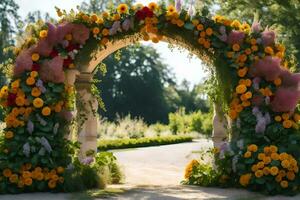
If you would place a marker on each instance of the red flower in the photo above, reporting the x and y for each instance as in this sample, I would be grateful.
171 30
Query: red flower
54 53
35 67
68 61
72 47
143 13
11 99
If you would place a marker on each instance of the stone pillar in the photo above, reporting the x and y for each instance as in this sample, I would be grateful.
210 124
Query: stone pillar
87 135
219 126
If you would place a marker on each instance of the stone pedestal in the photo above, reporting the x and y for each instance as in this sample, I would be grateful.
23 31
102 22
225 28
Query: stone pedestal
219 127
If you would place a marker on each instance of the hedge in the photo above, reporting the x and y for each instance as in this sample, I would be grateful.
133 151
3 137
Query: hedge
105 144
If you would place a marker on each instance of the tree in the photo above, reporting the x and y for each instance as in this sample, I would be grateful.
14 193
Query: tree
134 84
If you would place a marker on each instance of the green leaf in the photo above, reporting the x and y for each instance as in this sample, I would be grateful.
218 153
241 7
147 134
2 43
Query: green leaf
189 26
260 180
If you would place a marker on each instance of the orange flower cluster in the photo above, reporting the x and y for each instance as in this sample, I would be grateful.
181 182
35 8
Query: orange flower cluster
289 120
204 34
27 175
282 173
189 168
150 29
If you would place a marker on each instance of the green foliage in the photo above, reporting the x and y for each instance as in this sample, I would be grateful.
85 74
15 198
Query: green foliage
142 142
180 122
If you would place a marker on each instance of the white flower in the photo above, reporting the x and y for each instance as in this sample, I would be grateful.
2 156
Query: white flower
26 149
46 144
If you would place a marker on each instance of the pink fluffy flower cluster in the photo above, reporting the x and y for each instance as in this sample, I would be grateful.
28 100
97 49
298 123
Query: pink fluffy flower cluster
51 69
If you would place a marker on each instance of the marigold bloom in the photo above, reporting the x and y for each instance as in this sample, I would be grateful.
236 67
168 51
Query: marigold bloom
284 184
35 57
122 8
241 89
43 33
46 111
38 102
245 179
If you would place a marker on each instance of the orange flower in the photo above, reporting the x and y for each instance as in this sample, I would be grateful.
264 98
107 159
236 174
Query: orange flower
200 27
240 89
277 81
269 50
28 181
252 148
232 114
278 118
206 44
243 71
60 170
96 30
254 48
35 57
284 184
236 47
104 41
247 154
43 33
105 32
245 179
209 31
7 173
254 168
36 92
9 135
13 178
52 184
38 102
69 37
259 173
287 123
46 111
290 176
30 81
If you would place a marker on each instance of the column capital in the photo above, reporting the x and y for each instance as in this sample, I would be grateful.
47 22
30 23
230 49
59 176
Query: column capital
84 81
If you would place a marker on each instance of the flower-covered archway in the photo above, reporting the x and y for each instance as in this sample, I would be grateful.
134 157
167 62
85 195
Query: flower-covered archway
56 61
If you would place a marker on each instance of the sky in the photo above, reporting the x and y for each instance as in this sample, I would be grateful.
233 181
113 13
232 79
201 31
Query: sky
179 61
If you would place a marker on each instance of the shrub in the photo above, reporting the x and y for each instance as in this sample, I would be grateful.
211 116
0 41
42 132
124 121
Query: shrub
142 142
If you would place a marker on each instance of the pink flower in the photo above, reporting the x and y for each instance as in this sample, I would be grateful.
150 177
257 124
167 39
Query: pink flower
285 99
256 27
52 34
268 37
80 33
235 37
268 67
52 70
23 62
44 48
62 30
290 79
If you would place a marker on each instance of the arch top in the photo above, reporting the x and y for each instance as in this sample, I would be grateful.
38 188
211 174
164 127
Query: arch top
249 66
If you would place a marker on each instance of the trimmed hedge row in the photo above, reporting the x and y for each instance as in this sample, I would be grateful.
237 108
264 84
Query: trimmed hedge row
141 142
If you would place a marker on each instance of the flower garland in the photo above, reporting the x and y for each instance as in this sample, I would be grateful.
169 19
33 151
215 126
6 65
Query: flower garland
264 96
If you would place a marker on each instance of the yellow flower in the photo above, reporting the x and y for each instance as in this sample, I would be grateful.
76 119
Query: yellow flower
4 91
122 8
260 165
171 10
43 33
283 156
274 170
38 102
267 160
60 170
240 89
245 179
36 92
153 6
9 135
278 118
30 81
46 111
35 57
287 123
116 17
284 184
94 18
285 116
247 154
259 173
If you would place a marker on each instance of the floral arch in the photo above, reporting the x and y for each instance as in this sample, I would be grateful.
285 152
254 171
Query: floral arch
56 61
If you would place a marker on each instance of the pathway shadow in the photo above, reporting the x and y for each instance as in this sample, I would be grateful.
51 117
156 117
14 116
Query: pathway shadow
142 192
